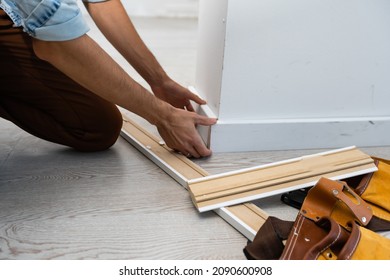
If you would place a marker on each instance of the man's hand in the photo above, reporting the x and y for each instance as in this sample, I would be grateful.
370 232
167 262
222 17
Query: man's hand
179 132
176 125
176 95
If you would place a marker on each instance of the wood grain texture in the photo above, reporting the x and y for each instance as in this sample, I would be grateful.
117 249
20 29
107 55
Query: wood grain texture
176 165
59 204
182 169
245 185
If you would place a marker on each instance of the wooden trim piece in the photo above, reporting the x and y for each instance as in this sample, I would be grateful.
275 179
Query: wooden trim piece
176 165
248 216
246 219
216 191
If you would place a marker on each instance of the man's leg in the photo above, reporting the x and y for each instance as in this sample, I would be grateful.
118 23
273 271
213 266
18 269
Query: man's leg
44 102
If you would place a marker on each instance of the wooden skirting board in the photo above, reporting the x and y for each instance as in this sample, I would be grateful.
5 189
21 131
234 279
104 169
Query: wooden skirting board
247 218
215 191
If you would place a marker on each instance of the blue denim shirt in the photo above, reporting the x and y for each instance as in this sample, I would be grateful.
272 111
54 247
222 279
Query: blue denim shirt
49 20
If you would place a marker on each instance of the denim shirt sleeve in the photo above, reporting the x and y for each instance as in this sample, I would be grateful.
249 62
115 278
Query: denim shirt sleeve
48 20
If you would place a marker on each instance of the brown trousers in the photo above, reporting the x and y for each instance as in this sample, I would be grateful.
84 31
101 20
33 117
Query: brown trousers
44 102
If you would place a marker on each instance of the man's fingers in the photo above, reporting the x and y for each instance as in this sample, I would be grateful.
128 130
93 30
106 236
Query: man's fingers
194 153
197 99
201 148
189 107
194 97
202 120
182 136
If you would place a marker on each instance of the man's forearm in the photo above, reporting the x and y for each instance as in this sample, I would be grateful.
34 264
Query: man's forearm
86 63
113 21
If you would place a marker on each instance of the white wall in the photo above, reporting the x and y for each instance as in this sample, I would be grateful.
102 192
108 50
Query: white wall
162 8
295 74
307 59
211 48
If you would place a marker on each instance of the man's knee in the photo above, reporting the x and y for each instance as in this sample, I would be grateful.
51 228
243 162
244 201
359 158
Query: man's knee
104 134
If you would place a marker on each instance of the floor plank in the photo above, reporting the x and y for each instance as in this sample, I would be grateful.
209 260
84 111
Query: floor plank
59 204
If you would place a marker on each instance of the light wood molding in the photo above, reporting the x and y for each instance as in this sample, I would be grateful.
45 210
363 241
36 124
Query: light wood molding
246 218
231 188
249 215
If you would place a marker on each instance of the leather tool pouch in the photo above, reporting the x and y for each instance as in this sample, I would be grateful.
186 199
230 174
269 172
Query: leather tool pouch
334 223
374 188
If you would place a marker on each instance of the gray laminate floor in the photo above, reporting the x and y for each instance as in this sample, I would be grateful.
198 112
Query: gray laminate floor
56 203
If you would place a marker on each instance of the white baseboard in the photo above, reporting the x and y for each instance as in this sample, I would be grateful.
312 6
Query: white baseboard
287 134
291 134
